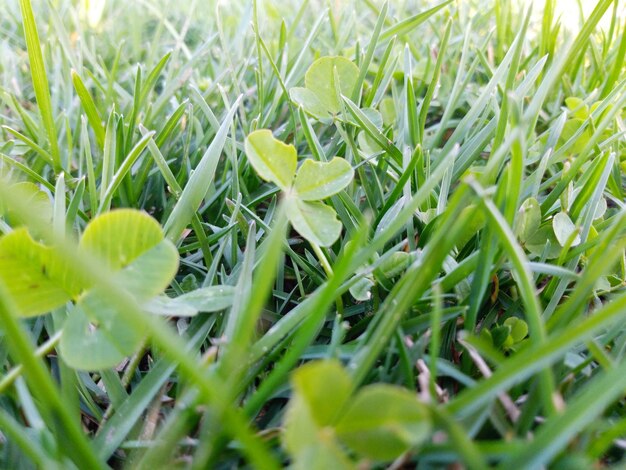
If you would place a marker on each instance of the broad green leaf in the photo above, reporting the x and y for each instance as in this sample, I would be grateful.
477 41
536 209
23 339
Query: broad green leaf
361 290
394 265
476 223
325 454
120 236
519 328
301 431
501 335
580 111
168 307
272 159
95 335
325 387
309 102
374 116
320 390
570 128
528 219
537 242
383 422
564 228
368 145
206 299
152 271
315 221
209 299
600 209
37 279
387 109
320 79
319 180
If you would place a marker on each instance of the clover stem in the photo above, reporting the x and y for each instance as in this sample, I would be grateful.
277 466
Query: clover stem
322 259
329 272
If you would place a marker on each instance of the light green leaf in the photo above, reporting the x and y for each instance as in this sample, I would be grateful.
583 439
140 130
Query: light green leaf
580 110
168 307
368 145
564 228
361 290
570 128
301 431
319 180
320 390
600 209
309 102
209 299
272 159
152 271
325 387
120 236
537 242
374 116
315 221
320 79
383 422
387 109
394 265
325 454
206 299
37 279
528 219
519 328
95 335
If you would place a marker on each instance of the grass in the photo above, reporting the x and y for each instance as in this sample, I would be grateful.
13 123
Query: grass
479 273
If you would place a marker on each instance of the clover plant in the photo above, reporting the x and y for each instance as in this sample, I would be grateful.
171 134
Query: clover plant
276 162
324 418
128 243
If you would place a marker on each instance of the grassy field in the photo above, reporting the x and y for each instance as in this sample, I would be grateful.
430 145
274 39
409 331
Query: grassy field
317 234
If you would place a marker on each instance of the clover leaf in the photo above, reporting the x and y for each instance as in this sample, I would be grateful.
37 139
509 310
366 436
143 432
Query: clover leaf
37 279
509 336
379 422
131 245
580 113
276 162
324 81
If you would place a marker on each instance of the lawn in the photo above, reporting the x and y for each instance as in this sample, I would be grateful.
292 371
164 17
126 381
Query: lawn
316 234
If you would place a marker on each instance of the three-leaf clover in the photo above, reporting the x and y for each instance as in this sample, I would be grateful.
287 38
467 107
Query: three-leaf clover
324 417
132 247
508 336
39 279
276 162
